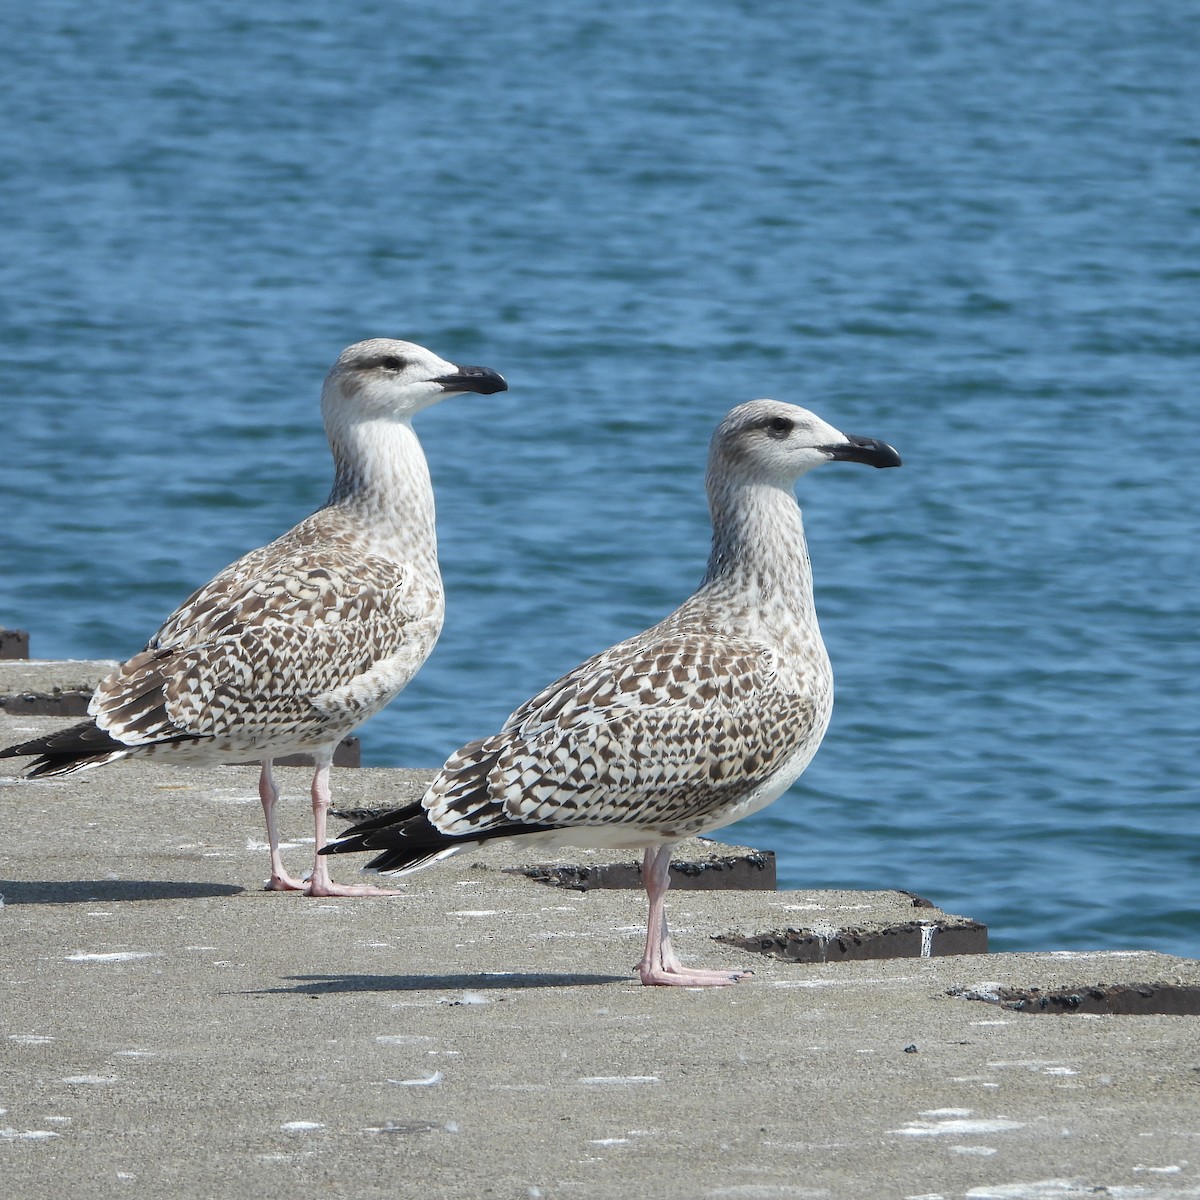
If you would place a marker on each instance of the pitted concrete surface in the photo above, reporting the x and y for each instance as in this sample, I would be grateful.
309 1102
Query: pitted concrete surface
168 1029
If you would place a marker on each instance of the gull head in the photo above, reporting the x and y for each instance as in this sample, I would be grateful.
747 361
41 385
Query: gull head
769 442
383 378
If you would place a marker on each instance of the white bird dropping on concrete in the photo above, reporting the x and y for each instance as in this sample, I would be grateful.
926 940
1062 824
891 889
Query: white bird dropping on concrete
295 644
707 717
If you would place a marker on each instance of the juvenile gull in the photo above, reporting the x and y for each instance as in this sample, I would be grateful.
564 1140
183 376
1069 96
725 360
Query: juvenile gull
295 644
707 717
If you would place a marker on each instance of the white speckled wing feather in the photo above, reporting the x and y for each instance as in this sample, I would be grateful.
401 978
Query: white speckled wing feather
290 644
660 733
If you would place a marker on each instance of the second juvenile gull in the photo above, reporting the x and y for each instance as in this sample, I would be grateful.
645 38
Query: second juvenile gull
295 644
706 717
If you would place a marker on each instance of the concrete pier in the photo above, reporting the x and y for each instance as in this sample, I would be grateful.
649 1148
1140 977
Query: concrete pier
169 1029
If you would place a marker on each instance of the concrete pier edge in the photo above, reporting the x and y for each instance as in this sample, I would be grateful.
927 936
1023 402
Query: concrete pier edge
167 1028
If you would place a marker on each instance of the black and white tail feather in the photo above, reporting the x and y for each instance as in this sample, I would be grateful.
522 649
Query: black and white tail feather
68 751
409 840
407 837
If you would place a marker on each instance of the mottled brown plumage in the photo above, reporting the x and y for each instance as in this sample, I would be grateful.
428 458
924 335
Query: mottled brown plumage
706 717
295 644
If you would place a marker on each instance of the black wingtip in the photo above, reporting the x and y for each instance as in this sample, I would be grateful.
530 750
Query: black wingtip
66 750
358 837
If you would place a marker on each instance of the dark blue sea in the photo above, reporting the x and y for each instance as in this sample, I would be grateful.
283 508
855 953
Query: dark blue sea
971 229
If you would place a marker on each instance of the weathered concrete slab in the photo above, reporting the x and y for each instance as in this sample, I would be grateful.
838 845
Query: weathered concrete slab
699 864
14 643
167 1029
863 925
50 688
1119 999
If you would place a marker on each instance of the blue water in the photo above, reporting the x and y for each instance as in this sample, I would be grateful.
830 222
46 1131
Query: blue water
968 228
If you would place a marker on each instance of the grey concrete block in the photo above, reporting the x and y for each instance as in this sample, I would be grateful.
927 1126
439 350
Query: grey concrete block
698 864
170 1029
14 643
43 688
751 869
926 938
1161 998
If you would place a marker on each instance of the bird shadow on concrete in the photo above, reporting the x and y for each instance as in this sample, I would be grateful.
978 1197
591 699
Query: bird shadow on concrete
83 891
326 985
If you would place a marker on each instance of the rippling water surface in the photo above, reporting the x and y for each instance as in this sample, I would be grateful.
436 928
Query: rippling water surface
969 229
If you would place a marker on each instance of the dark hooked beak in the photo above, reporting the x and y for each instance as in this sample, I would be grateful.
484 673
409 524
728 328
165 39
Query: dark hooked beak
483 380
864 450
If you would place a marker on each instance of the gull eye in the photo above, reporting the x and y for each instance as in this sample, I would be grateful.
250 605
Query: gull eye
391 362
780 427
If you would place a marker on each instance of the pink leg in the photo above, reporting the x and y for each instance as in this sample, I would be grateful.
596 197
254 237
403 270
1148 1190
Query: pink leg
268 793
319 883
660 966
